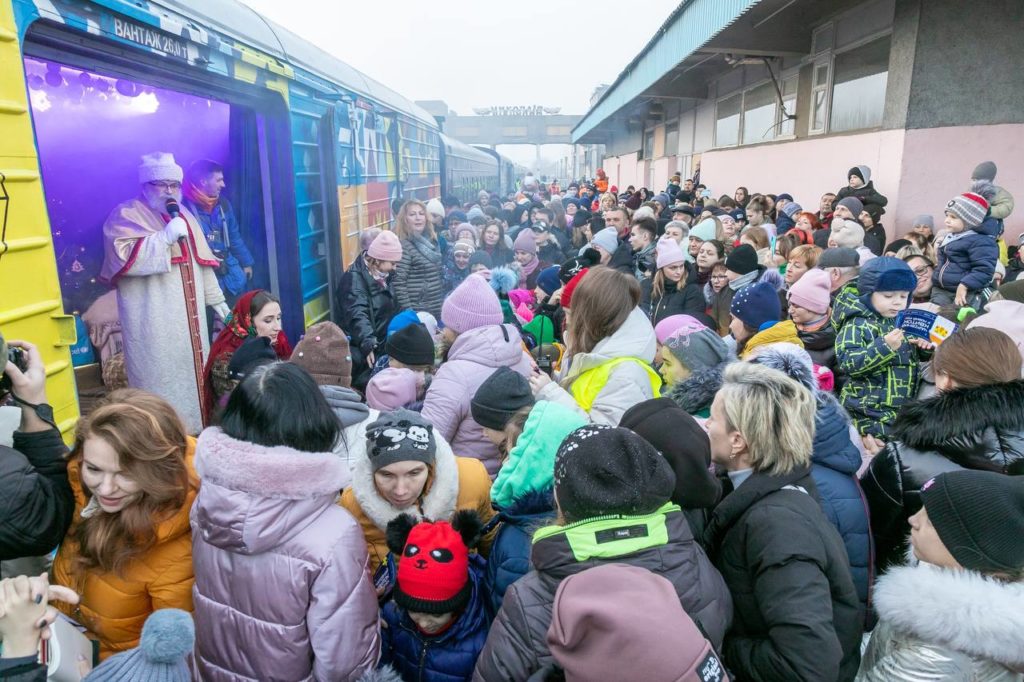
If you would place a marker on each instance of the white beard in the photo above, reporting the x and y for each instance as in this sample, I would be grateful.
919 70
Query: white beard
159 203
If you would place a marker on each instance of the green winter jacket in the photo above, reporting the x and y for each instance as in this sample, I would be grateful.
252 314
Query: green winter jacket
844 303
880 380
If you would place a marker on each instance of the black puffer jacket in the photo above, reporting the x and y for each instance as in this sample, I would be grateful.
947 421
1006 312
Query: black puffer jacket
418 284
967 428
797 615
821 346
36 502
517 644
689 300
364 309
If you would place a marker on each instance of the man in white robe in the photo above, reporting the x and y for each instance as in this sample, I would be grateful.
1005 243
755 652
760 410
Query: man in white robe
164 272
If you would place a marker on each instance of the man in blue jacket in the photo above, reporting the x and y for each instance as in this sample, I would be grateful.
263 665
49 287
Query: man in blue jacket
204 196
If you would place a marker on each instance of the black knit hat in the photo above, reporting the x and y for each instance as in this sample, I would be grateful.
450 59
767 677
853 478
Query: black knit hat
742 260
411 345
500 396
678 436
600 470
572 267
400 436
979 515
254 351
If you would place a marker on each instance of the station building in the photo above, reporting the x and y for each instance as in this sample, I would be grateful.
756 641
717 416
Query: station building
787 95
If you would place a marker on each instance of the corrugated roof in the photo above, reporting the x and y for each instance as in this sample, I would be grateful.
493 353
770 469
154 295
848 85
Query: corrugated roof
692 24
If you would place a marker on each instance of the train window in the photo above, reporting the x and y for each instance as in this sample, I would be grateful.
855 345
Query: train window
91 131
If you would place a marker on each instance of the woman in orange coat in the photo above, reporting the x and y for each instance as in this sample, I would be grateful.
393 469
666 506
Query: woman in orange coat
129 549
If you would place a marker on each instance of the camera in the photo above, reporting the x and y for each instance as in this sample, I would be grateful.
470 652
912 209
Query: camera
20 360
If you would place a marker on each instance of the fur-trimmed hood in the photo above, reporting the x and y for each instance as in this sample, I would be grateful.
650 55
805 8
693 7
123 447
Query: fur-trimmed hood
696 392
959 609
253 497
437 503
965 423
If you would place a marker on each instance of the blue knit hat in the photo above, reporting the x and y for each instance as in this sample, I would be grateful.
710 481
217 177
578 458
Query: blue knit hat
402 320
548 280
886 273
757 304
167 639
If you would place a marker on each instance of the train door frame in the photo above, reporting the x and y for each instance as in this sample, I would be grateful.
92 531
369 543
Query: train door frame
56 42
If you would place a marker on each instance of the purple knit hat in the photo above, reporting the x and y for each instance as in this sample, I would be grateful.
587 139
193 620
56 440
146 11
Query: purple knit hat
673 323
473 304
392 388
526 241
385 246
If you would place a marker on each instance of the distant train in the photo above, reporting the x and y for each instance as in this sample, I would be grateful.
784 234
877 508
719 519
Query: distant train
314 153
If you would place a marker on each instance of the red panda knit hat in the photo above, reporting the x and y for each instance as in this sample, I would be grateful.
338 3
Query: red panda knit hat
433 561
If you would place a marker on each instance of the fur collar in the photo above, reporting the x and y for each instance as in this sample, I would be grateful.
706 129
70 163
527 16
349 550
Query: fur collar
277 472
438 503
928 424
963 610
697 391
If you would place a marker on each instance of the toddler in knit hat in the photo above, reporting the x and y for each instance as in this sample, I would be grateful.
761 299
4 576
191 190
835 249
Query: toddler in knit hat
436 625
809 308
394 388
968 254
473 304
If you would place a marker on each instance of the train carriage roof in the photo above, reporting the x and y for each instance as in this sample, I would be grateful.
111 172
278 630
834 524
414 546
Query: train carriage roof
234 19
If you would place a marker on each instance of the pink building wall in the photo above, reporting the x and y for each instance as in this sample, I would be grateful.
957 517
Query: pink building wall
918 170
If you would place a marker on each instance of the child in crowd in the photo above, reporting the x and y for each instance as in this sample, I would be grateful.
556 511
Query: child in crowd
456 264
810 310
968 253
860 186
757 319
394 387
880 362
437 623
691 354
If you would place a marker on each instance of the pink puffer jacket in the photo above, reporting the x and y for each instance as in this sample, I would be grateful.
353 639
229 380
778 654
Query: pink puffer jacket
472 358
282 589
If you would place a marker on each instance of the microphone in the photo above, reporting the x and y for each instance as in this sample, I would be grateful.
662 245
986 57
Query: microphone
173 209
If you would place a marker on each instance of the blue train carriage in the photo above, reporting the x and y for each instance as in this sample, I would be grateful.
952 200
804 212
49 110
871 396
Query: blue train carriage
467 170
506 171
313 151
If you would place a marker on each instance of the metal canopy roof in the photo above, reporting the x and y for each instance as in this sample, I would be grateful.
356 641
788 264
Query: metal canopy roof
239 21
690 49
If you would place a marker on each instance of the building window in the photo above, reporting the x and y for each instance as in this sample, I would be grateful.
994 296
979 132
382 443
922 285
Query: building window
672 139
858 89
759 115
727 121
787 126
555 131
819 98
648 144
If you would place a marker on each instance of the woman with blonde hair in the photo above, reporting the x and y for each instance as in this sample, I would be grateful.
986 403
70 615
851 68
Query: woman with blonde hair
417 283
129 550
611 343
673 290
796 613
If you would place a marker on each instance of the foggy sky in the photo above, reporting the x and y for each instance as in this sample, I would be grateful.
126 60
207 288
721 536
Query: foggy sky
477 53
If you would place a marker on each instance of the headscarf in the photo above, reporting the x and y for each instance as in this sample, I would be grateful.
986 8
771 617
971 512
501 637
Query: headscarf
237 328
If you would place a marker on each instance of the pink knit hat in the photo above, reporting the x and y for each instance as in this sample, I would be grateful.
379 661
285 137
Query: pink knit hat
812 291
673 323
392 388
385 247
526 241
473 304
669 252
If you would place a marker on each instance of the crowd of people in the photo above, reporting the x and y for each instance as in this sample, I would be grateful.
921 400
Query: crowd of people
568 434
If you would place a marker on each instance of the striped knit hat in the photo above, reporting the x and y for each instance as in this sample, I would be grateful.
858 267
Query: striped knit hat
968 207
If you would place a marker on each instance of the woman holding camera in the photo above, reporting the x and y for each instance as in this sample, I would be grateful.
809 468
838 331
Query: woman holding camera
129 550
35 498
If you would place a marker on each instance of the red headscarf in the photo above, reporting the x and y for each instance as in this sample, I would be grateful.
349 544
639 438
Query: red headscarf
238 327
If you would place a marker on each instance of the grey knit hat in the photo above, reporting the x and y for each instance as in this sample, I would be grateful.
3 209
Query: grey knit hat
400 436
167 639
986 170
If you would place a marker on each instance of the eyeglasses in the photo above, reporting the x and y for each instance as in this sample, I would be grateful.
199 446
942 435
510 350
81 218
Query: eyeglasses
923 270
719 276
173 186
